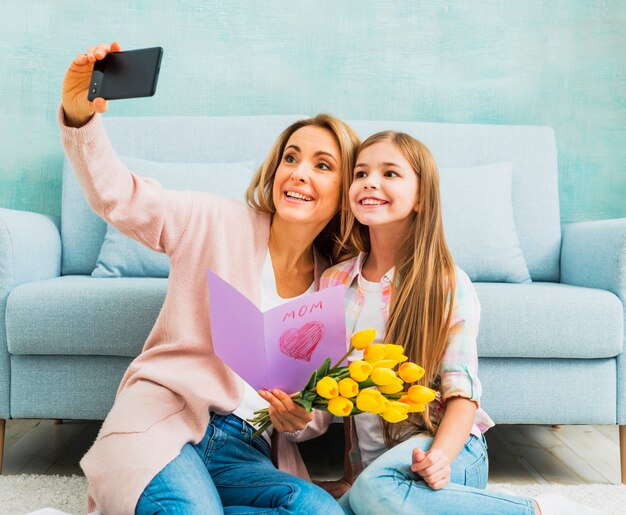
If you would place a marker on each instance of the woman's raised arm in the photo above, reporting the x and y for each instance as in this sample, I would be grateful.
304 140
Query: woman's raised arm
138 207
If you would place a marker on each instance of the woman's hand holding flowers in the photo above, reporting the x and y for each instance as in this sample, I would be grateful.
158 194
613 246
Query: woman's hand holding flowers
285 414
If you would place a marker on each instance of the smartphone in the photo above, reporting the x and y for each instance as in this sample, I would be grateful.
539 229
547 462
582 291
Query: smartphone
129 74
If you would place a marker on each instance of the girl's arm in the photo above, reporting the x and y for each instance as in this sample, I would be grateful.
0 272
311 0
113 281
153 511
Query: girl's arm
455 426
434 465
460 387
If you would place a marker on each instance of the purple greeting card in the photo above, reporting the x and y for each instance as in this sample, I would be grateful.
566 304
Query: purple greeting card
279 348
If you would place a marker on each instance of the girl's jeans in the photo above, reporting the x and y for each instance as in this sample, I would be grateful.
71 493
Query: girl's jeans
230 472
388 485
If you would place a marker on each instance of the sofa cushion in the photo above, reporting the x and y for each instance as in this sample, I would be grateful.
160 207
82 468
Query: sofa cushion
81 315
548 320
121 256
113 317
549 391
477 209
92 381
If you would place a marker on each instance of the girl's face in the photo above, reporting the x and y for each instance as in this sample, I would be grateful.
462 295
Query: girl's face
384 187
307 184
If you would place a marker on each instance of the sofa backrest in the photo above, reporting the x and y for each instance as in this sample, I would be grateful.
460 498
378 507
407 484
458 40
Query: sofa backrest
531 149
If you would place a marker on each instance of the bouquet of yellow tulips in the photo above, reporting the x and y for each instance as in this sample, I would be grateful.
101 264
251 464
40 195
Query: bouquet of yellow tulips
370 385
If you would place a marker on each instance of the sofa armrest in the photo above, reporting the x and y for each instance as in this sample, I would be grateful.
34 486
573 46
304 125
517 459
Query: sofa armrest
593 254
30 249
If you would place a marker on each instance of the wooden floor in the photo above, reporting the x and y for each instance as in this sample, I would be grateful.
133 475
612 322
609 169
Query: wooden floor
517 453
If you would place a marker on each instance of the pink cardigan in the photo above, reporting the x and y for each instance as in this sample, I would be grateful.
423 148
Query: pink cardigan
166 394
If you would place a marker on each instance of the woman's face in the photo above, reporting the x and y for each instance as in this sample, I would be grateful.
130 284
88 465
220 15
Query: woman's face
384 187
307 184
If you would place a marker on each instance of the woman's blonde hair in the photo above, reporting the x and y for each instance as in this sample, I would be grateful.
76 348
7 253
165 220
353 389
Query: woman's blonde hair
424 281
259 193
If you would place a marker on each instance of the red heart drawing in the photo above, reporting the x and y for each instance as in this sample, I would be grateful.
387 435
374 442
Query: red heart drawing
300 343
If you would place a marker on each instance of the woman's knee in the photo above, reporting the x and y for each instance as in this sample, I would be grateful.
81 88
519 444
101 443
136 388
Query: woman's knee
183 486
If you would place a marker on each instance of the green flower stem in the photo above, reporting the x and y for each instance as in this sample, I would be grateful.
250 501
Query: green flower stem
343 374
341 360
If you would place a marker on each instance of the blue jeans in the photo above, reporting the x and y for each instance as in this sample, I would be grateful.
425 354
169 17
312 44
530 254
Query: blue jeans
230 472
388 485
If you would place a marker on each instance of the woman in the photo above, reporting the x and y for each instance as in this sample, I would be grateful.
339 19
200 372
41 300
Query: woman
176 439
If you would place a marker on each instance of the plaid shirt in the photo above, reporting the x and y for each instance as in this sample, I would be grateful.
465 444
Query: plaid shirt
459 367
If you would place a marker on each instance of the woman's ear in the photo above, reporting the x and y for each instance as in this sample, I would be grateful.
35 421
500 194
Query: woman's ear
417 207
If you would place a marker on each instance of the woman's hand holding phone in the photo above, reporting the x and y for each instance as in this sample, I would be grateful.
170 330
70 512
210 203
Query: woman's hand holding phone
78 109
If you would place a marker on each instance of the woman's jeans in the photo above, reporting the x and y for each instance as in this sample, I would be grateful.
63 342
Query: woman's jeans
388 485
230 472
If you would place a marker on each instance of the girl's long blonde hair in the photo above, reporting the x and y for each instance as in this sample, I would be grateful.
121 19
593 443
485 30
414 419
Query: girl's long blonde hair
424 281
259 193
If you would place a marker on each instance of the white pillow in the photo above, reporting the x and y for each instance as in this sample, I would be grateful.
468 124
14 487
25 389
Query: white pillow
121 256
479 225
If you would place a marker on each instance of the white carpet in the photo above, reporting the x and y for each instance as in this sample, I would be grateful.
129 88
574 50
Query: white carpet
22 494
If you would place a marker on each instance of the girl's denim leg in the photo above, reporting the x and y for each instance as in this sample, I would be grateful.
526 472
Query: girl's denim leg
183 487
389 486
246 479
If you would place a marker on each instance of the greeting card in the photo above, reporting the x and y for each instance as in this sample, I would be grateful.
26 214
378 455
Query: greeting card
279 347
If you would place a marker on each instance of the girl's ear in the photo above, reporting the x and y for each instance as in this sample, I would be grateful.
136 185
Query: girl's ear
417 207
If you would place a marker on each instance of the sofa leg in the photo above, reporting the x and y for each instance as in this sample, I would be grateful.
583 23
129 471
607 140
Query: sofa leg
622 452
3 423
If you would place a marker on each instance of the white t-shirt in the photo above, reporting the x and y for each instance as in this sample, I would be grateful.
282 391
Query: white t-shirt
369 428
270 298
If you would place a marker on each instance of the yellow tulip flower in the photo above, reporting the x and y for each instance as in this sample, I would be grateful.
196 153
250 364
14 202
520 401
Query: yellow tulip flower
383 376
327 387
362 339
414 408
374 353
348 387
340 406
371 401
419 394
396 387
395 352
385 363
410 372
359 370
396 412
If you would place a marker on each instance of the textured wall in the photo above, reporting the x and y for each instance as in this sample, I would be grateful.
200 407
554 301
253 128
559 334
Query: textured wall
560 63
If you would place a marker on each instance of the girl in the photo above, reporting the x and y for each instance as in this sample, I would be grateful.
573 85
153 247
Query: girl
404 284
176 439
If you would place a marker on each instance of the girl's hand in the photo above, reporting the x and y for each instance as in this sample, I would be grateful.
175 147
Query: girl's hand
286 415
433 466
335 488
79 110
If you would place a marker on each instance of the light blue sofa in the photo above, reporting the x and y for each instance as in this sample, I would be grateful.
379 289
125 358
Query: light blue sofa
550 350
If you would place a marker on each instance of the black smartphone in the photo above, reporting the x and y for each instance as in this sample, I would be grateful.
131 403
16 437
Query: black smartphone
129 74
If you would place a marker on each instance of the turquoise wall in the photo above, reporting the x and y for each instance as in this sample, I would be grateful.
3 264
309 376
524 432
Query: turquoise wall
559 63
